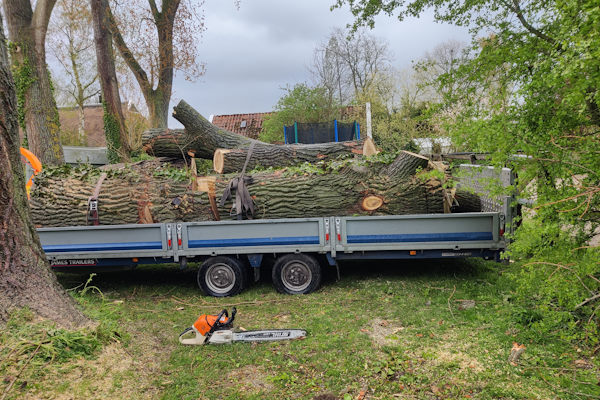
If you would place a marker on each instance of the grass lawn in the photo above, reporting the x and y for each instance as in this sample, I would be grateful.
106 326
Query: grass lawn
418 330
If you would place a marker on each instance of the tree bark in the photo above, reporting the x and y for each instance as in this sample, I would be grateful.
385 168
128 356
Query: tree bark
25 277
114 122
228 150
145 193
27 32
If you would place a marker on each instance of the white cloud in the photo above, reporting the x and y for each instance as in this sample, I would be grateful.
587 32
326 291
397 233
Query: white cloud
252 52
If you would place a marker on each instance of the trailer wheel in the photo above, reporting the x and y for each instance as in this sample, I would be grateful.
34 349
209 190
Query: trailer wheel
296 274
222 276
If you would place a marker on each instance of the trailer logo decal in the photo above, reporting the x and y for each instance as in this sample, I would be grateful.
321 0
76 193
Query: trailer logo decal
457 254
88 262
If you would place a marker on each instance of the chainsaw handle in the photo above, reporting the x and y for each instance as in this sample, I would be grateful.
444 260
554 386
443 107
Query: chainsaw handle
233 312
216 324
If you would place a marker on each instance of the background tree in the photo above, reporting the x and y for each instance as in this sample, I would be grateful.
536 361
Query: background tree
154 40
25 278
114 123
38 115
443 61
347 65
537 66
71 42
329 71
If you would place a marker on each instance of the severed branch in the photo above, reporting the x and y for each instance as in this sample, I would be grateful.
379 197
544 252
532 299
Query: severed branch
587 301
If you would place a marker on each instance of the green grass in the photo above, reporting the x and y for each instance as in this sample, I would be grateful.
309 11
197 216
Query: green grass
394 329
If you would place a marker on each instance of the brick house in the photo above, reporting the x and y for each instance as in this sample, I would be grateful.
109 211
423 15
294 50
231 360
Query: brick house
94 123
248 125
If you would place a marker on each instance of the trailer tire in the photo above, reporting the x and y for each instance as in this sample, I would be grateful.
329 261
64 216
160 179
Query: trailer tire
222 276
296 274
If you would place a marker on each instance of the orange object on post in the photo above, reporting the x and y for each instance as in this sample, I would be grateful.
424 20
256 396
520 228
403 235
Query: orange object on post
33 160
36 165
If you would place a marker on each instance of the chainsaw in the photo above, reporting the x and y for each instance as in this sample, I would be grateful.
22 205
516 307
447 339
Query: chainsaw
218 329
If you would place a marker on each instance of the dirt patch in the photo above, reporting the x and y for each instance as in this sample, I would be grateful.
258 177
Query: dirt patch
117 372
382 331
464 361
250 378
90 379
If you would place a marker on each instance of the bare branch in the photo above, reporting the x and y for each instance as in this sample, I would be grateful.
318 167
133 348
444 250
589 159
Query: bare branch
127 55
516 8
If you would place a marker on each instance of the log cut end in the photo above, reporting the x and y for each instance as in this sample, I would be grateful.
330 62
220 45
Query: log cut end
369 148
419 156
219 160
371 203
205 184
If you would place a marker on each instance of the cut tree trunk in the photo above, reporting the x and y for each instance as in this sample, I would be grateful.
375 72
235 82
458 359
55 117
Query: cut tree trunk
272 155
25 277
228 150
144 193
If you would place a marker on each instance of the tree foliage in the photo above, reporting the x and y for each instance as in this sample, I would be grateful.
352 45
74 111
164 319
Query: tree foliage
531 85
301 103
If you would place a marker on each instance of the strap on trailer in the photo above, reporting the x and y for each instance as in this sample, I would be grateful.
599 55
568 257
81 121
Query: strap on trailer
243 201
92 214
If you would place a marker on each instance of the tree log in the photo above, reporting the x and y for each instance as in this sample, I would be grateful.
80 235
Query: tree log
146 192
272 155
228 150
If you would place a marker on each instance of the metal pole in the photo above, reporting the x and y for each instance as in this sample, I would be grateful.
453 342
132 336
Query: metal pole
369 131
296 131
336 130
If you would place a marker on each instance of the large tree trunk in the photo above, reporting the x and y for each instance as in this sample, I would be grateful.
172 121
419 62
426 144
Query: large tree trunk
25 278
27 32
114 122
228 150
145 193
158 107
157 99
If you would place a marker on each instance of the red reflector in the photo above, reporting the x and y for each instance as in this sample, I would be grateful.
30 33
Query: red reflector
339 237
327 237
501 232
169 242
179 242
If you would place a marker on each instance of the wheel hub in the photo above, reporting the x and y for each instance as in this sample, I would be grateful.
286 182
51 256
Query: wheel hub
220 278
296 276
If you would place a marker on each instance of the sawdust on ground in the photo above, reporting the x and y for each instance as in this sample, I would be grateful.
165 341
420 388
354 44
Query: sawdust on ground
251 378
382 331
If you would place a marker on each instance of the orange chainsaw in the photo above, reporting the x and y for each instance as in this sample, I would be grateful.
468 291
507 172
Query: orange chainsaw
218 329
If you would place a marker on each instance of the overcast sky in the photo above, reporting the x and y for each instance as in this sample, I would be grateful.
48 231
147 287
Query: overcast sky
252 52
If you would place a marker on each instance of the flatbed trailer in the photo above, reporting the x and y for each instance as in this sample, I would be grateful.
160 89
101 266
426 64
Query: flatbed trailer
232 252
